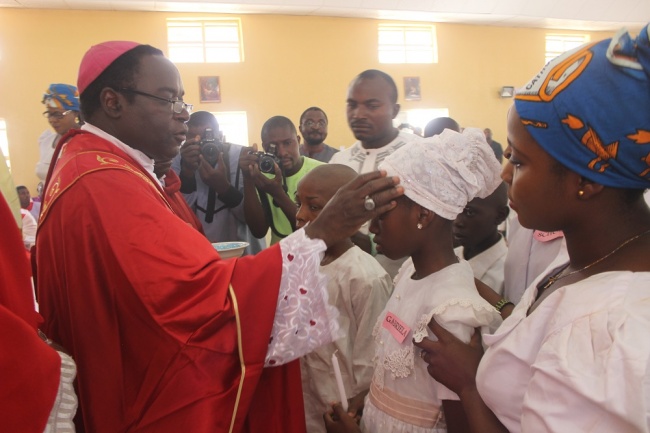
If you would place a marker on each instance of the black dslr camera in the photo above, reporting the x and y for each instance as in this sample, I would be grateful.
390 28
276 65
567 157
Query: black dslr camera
210 147
268 159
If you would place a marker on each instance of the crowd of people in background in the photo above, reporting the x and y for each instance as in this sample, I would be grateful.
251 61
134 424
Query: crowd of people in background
408 277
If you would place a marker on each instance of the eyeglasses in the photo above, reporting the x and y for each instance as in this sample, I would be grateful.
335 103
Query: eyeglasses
310 123
55 114
177 106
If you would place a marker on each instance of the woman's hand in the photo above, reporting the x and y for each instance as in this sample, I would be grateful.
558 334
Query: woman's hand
346 212
452 362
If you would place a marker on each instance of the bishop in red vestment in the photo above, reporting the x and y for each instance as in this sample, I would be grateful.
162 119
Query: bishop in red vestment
167 336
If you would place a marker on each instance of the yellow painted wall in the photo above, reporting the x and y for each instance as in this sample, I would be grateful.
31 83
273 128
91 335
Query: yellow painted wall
291 62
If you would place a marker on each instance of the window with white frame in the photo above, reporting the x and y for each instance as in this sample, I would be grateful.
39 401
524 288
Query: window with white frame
233 125
204 41
407 44
4 143
558 44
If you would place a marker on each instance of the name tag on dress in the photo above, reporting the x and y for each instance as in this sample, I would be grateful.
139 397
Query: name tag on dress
547 236
398 329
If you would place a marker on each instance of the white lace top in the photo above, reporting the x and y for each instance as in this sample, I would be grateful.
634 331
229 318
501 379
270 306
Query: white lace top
450 295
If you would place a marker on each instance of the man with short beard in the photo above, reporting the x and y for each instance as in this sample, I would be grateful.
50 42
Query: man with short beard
313 128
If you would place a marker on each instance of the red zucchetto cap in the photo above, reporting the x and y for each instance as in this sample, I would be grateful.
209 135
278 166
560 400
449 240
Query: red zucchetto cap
98 58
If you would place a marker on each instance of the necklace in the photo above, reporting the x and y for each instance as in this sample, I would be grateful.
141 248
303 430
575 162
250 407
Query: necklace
551 280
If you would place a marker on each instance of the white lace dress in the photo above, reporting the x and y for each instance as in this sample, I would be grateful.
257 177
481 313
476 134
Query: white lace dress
403 397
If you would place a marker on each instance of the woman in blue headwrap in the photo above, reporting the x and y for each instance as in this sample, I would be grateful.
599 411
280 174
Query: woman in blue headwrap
62 112
574 354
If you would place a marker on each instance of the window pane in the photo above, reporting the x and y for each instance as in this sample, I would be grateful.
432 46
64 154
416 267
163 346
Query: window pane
407 44
223 54
392 56
186 54
184 34
234 126
213 33
418 38
554 45
422 56
558 44
203 41
391 37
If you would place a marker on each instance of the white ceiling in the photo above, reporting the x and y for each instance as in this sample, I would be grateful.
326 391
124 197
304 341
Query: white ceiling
592 15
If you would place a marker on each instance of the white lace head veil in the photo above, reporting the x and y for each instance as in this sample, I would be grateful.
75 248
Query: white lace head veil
445 172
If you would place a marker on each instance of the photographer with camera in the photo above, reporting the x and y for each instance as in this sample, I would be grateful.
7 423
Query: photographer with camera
212 184
269 190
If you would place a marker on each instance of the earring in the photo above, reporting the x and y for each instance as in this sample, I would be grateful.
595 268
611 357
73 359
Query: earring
581 193
419 226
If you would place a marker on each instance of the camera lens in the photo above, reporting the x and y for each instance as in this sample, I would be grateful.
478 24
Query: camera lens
266 164
210 153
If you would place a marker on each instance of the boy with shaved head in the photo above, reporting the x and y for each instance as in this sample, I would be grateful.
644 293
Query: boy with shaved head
358 287
476 230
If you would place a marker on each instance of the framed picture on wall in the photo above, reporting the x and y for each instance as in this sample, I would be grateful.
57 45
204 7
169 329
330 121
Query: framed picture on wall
209 89
412 89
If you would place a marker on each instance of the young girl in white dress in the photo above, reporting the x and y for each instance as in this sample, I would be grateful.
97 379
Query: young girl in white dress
440 176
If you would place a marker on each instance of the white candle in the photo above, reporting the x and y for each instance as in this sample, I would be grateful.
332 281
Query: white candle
339 382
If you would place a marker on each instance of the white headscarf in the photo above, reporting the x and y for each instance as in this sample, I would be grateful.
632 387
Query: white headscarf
445 172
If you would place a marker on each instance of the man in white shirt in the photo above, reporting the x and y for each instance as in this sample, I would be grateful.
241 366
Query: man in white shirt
371 107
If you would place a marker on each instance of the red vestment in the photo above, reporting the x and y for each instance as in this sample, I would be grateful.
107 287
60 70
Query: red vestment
167 337
29 368
175 198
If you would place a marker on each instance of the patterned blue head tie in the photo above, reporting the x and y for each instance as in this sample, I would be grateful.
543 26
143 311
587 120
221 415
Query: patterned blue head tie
590 110
63 96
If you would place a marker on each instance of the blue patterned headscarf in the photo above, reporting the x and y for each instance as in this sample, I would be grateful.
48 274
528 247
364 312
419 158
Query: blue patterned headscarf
63 96
590 109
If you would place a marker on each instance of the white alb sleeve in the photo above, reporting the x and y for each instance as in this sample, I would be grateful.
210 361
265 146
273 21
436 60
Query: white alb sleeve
304 319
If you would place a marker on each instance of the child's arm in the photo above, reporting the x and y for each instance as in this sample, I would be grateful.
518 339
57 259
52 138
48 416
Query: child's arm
494 298
454 364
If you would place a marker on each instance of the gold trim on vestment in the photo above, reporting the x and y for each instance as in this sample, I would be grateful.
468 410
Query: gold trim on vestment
110 161
241 356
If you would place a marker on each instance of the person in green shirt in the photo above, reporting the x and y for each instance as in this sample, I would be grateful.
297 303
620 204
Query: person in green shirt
269 197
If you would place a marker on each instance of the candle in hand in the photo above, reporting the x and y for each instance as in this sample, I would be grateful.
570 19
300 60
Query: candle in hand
339 381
